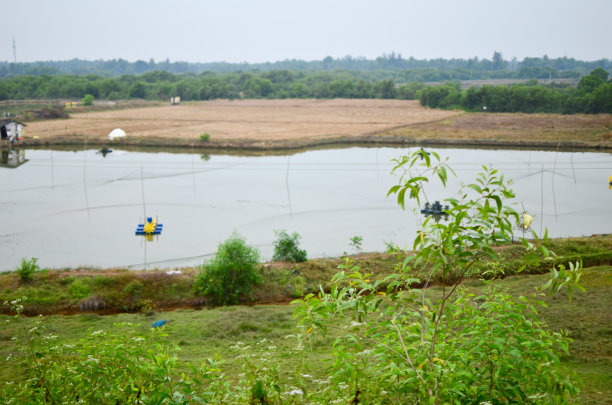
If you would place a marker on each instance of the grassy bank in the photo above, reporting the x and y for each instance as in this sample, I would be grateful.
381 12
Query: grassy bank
270 330
120 290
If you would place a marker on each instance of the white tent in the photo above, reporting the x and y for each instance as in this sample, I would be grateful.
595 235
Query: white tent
116 133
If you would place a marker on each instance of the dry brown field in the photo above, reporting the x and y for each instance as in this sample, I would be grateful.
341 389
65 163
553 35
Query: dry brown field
579 130
268 124
246 119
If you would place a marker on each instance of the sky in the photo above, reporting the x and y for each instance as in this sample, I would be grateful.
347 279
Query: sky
274 30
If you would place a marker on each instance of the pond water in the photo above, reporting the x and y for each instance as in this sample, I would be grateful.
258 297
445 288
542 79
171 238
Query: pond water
81 209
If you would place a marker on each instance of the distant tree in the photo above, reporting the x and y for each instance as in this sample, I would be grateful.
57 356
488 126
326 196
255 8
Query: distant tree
138 90
299 90
589 83
385 89
601 101
498 61
88 100
600 73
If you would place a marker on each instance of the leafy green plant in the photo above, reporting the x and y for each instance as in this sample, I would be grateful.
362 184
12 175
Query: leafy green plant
231 275
400 345
88 100
27 269
286 248
355 243
205 137
79 289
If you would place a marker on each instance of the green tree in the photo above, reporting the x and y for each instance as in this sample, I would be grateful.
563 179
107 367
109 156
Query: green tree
138 90
385 89
88 100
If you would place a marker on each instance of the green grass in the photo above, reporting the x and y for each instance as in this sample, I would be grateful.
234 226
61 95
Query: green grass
587 320
199 334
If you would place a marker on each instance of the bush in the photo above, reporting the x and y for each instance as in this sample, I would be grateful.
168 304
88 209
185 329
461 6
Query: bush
232 274
286 248
27 269
205 137
88 100
79 289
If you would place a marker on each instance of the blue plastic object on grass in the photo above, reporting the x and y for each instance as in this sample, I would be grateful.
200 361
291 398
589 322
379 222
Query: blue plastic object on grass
159 324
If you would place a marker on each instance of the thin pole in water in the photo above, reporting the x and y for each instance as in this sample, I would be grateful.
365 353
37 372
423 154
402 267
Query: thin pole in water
552 179
573 171
84 179
144 209
287 186
542 200
193 174
52 173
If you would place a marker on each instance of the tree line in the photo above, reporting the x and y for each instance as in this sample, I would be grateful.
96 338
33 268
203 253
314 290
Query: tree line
161 85
592 95
388 66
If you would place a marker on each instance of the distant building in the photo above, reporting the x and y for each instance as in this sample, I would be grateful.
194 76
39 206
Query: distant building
10 130
175 100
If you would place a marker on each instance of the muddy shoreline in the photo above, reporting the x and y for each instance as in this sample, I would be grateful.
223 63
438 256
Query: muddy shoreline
280 145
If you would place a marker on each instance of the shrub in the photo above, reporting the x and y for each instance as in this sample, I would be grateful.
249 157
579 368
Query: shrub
78 289
355 243
231 275
27 269
286 248
205 137
88 100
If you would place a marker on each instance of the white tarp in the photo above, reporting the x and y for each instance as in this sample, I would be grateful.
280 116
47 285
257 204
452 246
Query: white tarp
14 130
116 133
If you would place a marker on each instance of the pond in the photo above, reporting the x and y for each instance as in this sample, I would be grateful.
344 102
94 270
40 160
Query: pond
80 208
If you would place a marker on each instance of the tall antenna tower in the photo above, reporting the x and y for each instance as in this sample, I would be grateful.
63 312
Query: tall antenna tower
14 50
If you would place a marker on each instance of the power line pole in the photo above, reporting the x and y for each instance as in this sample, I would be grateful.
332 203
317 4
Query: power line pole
14 50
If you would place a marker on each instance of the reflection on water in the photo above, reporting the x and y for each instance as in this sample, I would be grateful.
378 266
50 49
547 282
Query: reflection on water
12 158
78 208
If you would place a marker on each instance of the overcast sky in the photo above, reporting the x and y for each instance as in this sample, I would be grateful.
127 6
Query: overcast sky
273 30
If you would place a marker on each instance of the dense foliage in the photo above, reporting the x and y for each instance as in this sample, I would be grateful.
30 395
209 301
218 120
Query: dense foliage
161 85
593 95
287 248
231 275
392 66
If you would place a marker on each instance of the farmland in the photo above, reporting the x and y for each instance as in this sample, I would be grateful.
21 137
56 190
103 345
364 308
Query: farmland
269 124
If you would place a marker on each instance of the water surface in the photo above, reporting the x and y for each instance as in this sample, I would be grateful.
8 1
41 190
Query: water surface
81 209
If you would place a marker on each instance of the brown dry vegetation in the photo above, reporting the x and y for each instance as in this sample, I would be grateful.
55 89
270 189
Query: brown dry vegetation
270 124
255 120
579 130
